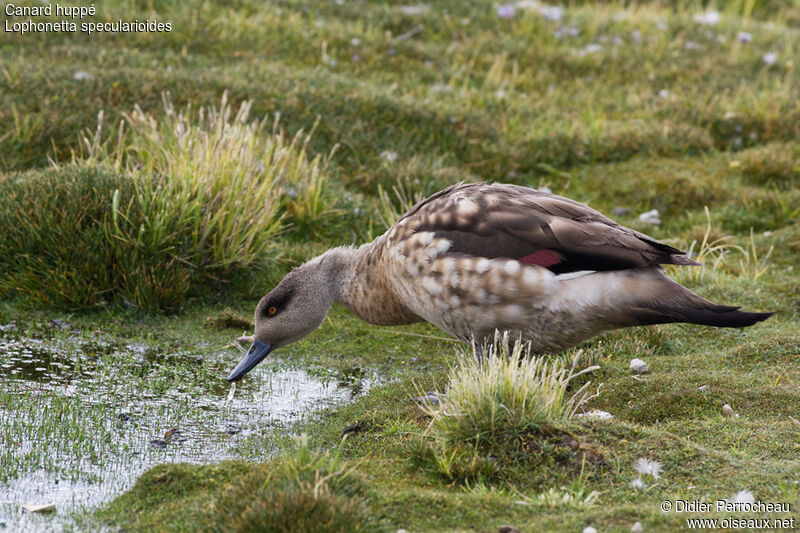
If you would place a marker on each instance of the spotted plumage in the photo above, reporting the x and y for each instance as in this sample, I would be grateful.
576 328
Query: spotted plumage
474 258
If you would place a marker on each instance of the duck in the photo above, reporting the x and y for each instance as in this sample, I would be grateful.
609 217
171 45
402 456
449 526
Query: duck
479 257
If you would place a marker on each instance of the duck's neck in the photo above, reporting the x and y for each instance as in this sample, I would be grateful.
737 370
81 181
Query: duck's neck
357 279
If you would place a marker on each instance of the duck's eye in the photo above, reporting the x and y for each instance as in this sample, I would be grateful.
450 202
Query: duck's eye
272 310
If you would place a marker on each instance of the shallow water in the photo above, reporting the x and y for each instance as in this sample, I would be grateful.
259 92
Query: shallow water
80 421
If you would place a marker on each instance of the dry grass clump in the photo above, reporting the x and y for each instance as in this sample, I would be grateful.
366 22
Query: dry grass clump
508 391
196 195
209 176
714 253
490 407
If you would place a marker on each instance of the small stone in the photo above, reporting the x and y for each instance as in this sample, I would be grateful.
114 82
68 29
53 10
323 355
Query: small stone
650 217
506 11
354 428
60 324
39 507
638 366
593 48
637 528
388 155
620 211
173 435
507 529
413 10
727 410
708 18
589 529
433 398
597 413
552 13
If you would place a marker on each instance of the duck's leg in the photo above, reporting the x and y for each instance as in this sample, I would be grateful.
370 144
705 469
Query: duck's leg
483 352
478 347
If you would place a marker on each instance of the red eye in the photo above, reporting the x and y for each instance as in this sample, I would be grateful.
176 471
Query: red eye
272 310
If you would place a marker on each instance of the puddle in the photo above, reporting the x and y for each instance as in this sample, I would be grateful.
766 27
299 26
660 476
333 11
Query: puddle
78 428
31 359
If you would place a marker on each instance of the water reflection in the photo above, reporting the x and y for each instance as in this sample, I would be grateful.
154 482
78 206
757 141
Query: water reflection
79 427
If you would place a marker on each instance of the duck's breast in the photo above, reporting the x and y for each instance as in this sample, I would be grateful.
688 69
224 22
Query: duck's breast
464 295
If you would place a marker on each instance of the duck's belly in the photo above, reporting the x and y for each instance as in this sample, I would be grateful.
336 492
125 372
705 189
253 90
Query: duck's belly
547 331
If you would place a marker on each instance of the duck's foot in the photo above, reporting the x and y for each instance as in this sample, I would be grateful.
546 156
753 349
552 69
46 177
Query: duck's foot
432 398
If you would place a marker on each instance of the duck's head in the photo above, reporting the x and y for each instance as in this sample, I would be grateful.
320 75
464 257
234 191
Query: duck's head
289 312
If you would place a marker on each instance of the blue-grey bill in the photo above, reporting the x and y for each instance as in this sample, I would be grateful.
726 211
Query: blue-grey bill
257 352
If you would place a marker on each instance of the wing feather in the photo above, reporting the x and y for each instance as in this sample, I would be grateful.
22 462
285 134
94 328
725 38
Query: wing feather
536 227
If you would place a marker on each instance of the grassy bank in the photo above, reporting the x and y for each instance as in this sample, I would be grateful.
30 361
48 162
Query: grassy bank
292 127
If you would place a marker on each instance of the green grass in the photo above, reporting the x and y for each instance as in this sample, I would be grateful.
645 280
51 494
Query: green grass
643 108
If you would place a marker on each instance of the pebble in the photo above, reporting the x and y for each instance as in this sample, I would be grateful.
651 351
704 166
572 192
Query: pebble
638 366
650 217
39 507
432 398
597 413
637 528
727 410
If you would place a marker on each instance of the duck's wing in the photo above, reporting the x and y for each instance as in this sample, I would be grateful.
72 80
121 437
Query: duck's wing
534 227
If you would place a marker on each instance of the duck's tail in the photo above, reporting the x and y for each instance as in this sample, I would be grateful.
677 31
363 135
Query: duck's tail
720 316
660 300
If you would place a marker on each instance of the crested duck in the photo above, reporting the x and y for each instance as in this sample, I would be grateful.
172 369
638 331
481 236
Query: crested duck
477 257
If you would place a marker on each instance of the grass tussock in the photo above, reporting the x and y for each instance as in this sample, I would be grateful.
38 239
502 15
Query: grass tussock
511 399
302 490
775 164
54 250
166 203
509 392
306 491
208 177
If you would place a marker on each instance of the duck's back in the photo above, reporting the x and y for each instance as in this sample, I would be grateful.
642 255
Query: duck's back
533 227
